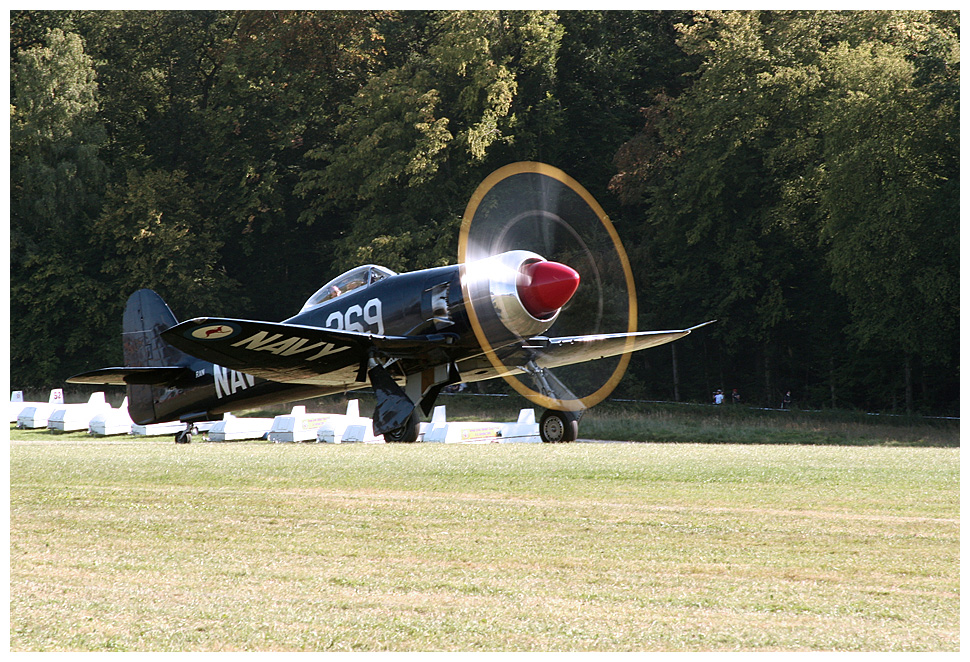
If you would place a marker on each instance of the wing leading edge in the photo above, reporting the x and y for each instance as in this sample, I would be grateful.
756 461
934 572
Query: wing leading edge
555 352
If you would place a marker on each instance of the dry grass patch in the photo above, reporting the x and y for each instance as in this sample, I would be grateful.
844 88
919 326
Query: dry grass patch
504 547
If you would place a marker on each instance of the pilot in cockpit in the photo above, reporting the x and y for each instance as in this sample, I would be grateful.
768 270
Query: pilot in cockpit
351 280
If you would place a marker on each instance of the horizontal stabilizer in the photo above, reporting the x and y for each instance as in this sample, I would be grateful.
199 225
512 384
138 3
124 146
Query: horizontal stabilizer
153 376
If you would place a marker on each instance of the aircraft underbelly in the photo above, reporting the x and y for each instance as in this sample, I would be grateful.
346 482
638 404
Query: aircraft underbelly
342 379
295 393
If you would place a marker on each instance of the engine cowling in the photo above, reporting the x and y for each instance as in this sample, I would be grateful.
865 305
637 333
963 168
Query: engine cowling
526 291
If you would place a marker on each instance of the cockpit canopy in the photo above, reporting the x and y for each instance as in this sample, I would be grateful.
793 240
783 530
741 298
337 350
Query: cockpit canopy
351 280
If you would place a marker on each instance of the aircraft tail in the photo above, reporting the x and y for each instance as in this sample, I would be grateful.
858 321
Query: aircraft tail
146 316
151 364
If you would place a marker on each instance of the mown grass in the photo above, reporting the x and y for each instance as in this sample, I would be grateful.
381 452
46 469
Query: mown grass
145 545
743 425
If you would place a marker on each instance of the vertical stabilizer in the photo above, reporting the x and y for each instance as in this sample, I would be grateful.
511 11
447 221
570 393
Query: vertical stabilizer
146 316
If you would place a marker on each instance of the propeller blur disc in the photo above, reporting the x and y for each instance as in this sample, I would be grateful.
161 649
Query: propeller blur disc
535 207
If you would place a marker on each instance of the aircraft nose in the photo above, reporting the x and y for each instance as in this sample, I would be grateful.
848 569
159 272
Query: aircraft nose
545 287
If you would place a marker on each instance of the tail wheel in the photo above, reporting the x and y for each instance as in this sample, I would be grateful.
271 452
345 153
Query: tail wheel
185 436
407 434
558 427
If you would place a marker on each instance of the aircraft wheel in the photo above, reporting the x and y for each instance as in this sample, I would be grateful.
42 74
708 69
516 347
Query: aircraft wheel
185 436
558 427
408 434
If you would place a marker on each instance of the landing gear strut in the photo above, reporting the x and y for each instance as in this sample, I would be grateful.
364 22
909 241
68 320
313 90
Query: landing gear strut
558 427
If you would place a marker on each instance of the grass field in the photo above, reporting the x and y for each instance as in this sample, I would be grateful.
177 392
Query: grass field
118 544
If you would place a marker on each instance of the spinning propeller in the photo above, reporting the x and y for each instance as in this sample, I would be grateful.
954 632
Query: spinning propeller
542 260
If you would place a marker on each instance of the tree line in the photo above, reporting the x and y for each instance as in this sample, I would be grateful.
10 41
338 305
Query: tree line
793 174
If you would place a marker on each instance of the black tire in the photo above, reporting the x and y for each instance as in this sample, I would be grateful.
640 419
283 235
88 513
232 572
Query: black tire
408 434
183 438
558 427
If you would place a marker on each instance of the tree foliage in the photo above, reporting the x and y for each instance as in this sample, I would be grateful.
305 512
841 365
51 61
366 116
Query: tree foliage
793 174
415 137
803 187
56 181
888 191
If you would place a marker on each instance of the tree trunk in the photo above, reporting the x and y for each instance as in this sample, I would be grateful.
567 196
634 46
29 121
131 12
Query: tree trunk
768 402
908 372
673 356
832 379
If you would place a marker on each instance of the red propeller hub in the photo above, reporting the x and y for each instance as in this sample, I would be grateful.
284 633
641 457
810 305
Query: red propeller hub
545 287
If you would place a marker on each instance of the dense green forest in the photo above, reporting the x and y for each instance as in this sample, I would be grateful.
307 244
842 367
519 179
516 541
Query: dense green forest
793 174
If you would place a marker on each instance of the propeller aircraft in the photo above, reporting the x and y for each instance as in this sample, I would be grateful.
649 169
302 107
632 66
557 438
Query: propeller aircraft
539 264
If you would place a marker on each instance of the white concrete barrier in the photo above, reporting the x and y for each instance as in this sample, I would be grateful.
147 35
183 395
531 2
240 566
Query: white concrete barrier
297 425
72 417
167 428
231 428
16 405
348 428
359 433
35 414
524 430
157 429
111 422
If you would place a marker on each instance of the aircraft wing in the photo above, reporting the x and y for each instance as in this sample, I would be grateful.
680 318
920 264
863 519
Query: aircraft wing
293 352
554 352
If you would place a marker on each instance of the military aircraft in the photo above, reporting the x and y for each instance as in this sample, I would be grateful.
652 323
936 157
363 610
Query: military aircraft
409 335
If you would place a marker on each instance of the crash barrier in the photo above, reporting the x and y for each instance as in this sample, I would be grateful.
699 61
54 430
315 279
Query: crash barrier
36 414
360 433
100 419
231 428
158 429
524 430
77 416
348 428
111 421
167 429
16 405
299 425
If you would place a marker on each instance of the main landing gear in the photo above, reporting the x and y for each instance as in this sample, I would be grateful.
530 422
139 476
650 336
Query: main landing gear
558 427
406 434
555 427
